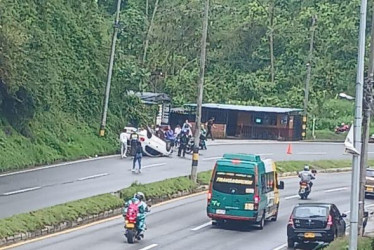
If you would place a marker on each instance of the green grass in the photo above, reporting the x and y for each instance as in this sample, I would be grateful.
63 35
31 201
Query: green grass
38 219
326 135
289 166
364 243
63 139
159 189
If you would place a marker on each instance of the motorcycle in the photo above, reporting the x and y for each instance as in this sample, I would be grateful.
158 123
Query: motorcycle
133 232
341 129
191 144
304 190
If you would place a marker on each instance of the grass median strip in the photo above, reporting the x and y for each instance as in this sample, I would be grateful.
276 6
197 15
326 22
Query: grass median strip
364 243
157 191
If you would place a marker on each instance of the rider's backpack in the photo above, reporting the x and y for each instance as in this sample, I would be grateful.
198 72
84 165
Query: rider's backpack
132 211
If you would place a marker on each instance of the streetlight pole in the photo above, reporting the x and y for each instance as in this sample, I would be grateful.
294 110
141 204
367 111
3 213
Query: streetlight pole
368 96
195 156
309 66
110 69
357 130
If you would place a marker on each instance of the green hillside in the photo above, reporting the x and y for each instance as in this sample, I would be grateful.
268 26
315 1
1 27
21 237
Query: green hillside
54 56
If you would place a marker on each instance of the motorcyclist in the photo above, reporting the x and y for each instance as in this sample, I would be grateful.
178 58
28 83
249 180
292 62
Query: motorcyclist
307 176
139 199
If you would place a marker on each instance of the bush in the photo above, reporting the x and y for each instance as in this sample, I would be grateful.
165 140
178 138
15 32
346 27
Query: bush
159 189
364 243
36 220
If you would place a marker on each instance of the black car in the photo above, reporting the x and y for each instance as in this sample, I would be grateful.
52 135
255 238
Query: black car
311 222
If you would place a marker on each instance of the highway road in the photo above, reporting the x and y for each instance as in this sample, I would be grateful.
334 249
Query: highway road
50 185
183 224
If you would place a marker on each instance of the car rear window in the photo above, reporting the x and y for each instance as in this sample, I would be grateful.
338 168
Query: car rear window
233 183
310 212
370 173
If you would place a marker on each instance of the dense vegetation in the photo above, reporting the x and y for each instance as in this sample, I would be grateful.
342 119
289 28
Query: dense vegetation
54 56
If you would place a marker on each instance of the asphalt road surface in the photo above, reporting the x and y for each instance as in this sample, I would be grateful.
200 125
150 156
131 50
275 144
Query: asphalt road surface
183 224
38 188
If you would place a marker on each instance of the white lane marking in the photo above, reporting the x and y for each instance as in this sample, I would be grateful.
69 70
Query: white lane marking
311 153
265 154
211 158
149 247
22 190
58 165
280 247
291 197
93 176
201 226
154 165
335 190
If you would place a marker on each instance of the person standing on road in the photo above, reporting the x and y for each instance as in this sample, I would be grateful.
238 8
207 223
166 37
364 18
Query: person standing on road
187 126
138 156
203 137
183 143
210 125
123 140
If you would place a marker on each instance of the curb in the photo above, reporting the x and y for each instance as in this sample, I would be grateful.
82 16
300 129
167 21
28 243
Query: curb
7 242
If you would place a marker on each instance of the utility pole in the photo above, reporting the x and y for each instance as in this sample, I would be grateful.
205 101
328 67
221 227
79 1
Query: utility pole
110 69
368 98
309 65
357 130
195 156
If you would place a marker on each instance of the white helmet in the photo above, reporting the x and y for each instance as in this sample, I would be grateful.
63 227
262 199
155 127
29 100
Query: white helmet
306 168
140 196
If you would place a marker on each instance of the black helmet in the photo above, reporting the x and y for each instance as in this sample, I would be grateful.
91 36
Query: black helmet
140 196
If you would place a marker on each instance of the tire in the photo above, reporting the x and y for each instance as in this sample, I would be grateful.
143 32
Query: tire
290 243
261 223
216 223
188 150
130 236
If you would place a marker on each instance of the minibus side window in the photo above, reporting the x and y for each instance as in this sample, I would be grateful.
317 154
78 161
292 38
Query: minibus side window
267 182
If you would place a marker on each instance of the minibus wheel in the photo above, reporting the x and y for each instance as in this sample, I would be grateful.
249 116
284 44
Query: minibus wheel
261 223
275 217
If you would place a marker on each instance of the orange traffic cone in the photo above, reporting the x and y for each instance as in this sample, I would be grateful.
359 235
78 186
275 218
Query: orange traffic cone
289 149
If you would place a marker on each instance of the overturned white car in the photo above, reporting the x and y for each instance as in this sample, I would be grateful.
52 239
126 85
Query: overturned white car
151 144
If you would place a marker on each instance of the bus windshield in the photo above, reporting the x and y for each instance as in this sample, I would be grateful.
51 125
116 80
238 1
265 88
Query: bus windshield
233 183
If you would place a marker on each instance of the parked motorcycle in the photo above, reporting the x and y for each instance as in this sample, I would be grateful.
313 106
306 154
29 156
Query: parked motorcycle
191 144
304 190
341 129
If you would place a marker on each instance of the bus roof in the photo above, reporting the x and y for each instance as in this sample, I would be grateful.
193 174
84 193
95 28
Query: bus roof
249 161
243 157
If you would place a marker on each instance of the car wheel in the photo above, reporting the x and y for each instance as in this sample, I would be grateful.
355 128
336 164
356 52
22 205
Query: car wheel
290 243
